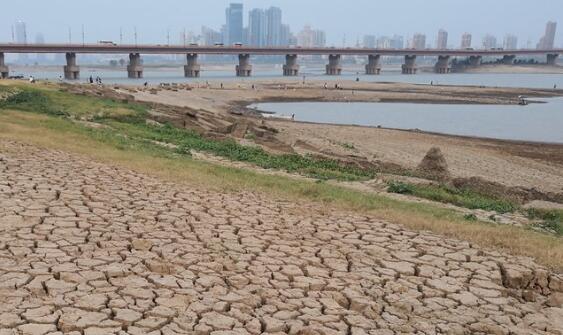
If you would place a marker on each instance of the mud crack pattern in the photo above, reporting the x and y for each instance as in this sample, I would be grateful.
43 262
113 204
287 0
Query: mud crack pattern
87 248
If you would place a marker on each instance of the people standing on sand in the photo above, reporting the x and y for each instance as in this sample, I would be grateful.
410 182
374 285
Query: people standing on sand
91 80
146 83
555 86
292 117
253 87
221 85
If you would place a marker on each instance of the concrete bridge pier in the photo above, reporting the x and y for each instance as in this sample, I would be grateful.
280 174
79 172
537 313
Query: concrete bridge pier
192 69
291 68
71 70
373 66
443 65
334 68
475 61
4 71
508 59
551 59
410 64
135 67
244 68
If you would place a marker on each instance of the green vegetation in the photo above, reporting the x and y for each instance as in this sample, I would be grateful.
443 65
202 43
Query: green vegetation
348 146
58 103
552 219
128 119
470 217
450 195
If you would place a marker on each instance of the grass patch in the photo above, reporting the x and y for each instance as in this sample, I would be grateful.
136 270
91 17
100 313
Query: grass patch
551 219
449 195
348 146
129 120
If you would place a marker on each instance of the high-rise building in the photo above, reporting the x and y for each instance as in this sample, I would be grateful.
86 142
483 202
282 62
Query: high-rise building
383 42
234 25
311 38
489 42
319 38
418 41
257 27
397 42
370 41
21 38
510 42
442 42
21 32
40 39
274 26
210 36
548 40
285 35
466 41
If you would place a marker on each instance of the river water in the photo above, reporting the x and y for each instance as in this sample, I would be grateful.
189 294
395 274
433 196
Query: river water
535 122
175 75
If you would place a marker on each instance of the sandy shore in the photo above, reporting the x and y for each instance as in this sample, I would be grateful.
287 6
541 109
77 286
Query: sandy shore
528 165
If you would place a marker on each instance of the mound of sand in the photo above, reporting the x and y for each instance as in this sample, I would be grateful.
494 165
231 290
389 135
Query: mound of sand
434 164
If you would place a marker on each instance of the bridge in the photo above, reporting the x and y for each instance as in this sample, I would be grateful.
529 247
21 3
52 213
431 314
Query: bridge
291 67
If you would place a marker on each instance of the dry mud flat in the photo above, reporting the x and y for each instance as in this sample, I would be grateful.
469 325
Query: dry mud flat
511 163
87 248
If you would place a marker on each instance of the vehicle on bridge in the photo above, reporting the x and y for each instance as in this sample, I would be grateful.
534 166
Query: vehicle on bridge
107 43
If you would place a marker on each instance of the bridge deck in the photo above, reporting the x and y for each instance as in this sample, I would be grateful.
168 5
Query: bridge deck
234 50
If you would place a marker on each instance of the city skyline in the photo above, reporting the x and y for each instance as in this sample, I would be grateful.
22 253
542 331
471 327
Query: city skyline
353 24
266 29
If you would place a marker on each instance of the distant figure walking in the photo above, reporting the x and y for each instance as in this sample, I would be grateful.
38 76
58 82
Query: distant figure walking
304 78
91 80
555 86
221 85
292 117
326 86
357 79
146 83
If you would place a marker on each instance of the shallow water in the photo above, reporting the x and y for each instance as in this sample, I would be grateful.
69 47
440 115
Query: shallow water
535 122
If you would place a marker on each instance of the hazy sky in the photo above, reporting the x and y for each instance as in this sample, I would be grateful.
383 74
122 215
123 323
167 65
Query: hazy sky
351 18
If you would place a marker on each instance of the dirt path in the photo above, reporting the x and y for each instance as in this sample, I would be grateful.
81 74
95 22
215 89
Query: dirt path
87 248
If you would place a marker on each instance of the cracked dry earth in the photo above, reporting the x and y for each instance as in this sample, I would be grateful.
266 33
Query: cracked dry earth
87 248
